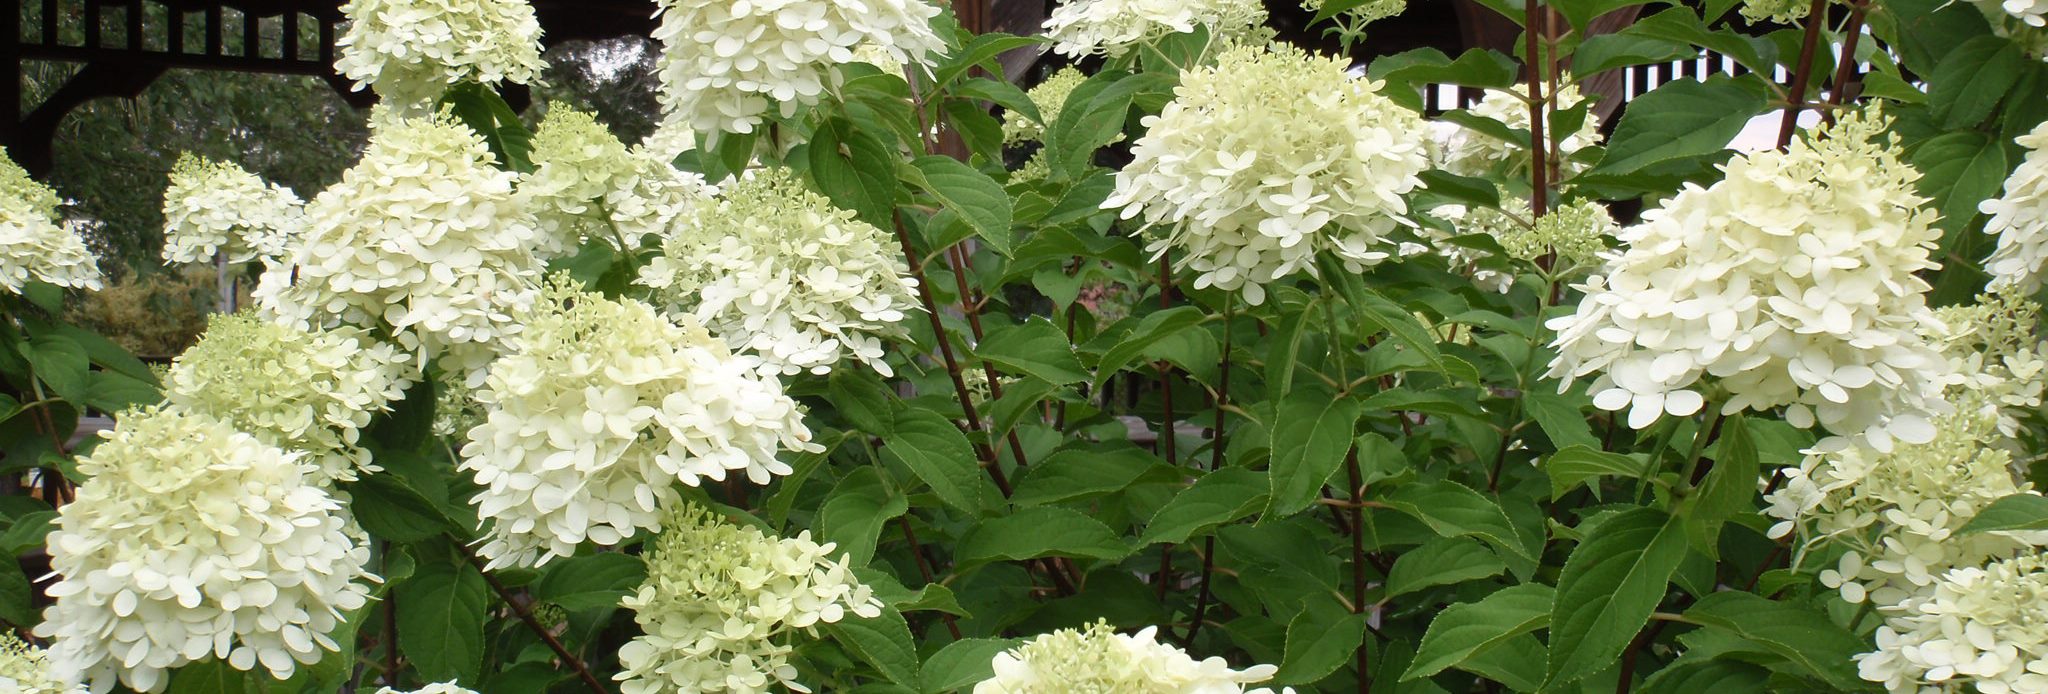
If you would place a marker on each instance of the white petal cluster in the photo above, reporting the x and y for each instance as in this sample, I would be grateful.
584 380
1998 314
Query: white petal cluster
2033 13
34 244
1992 346
1897 513
588 184
2020 219
1467 221
191 541
724 62
776 270
1080 28
306 391
1364 12
1098 659
594 414
215 207
422 238
1048 97
1571 237
1471 152
25 669
722 603
1790 283
1980 629
1266 159
436 688
412 50
1786 12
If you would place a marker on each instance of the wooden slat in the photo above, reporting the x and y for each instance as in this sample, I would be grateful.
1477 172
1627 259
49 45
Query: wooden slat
213 21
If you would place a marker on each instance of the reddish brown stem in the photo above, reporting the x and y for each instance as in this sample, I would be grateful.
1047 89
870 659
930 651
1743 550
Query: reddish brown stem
924 568
1816 15
518 608
970 304
1539 146
1358 605
931 312
1846 66
1166 425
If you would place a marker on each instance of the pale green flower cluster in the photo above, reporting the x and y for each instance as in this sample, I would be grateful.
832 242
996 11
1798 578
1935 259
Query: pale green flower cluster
1080 28
598 409
1471 152
436 688
1267 159
774 269
413 50
2016 262
1365 12
422 238
1787 12
587 184
724 62
1048 97
34 244
1576 233
1790 283
25 669
723 602
306 391
1465 221
215 208
192 540
1979 629
1991 345
1098 660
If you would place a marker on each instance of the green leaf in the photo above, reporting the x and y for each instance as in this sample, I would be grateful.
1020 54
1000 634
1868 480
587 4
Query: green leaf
883 641
1477 67
981 132
1682 25
979 51
480 107
60 363
854 513
1309 434
1093 116
1708 677
108 391
963 663
441 615
855 170
1728 490
979 200
1961 169
1464 630
1219 497
1605 52
210 676
1582 12
1150 330
27 532
1377 310
1925 31
939 454
17 597
1283 351
103 352
1318 642
1470 191
1561 417
1042 531
1575 464
1019 400
1609 586
1802 636
1971 80
390 509
1442 562
2011 513
863 399
1036 348
1076 474
1453 510
588 582
1680 120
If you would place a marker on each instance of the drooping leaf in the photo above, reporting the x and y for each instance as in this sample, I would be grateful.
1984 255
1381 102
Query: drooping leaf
1574 465
939 454
1442 562
1042 531
1608 588
1035 348
1463 630
978 199
441 621
2012 513
1310 435
1219 497
883 641
1679 120
855 512
1820 647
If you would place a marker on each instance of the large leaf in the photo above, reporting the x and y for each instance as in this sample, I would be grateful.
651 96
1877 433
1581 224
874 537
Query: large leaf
1609 51
1310 435
1043 531
1971 80
1150 330
1608 588
441 618
1451 510
962 664
978 199
587 582
210 676
393 510
1961 169
1477 67
855 170
939 454
2011 513
854 513
1082 473
1217 498
883 641
1442 562
1376 310
1728 490
1819 646
1679 120
1461 631
1574 465
1318 642
1036 348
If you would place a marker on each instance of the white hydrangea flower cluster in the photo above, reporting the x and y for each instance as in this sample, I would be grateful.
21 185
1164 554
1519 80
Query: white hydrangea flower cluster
1470 152
2016 262
1266 159
722 602
776 270
1365 12
1080 28
1992 347
1576 234
1787 12
595 413
193 540
215 207
436 688
25 669
412 50
1790 283
588 184
1098 659
1048 97
724 62
1979 629
1897 513
1464 221
2033 13
423 237
306 391
34 244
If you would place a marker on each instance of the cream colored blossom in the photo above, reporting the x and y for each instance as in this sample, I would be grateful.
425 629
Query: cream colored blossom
776 270
412 50
587 184
436 688
192 541
1787 12
1081 28
25 669
35 245
311 392
594 414
723 63
1992 346
1099 660
1791 283
1465 221
423 238
2033 13
215 207
1978 629
2020 219
1048 97
1471 152
1267 159
723 604
1364 12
